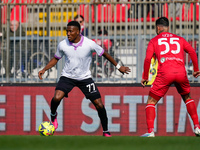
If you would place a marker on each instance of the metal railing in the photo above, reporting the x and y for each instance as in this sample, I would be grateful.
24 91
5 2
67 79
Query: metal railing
129 26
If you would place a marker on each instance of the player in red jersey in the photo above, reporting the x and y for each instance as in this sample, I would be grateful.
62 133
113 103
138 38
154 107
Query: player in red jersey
169 50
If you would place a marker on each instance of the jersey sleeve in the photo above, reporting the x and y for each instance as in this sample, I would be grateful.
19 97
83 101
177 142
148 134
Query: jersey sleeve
190 50
97 48
147 61
59 53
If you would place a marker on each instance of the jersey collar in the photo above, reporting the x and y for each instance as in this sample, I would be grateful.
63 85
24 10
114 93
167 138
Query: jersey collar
80 43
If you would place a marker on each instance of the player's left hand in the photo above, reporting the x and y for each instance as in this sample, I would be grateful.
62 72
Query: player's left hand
144 82
196 74
124 69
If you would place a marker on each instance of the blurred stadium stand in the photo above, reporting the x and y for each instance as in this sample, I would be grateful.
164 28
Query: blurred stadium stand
130 25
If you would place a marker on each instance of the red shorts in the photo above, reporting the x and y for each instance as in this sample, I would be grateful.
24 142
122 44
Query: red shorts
164 80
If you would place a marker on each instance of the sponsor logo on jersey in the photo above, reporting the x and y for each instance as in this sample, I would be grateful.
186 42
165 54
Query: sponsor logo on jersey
162 60
174 58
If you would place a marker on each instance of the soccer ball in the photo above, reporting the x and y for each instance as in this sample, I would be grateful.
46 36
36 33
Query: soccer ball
46 128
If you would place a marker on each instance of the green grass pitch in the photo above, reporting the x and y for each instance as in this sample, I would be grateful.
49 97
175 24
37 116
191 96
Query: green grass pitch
9 142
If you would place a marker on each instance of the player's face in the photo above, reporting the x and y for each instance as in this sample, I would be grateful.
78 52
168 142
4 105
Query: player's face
73 34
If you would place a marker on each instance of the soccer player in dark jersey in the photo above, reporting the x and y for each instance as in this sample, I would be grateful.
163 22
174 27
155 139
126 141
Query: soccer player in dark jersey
77 50
169 50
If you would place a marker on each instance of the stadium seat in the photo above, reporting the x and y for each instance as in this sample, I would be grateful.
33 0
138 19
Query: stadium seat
187 13
107 12
183 13
121 11
38 1
13 1
27 1
197 11
15 11
84 11
190 12
166 12
3 14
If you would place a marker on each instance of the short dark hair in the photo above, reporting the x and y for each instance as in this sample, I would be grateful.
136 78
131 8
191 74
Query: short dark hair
74 23
77 16
162 21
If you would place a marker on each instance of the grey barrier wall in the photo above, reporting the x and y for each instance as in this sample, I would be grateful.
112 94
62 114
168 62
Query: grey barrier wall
126 26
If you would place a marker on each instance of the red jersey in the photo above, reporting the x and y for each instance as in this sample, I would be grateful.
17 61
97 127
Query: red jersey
169 50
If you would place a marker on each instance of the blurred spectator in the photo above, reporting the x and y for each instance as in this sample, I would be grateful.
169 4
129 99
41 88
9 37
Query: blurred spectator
80 19
106 43
17 48
139 10
177 11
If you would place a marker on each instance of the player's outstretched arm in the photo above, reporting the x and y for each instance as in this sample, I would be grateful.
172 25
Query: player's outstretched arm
122 69
51 63
196 74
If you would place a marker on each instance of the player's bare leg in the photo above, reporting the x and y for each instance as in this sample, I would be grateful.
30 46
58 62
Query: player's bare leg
102 115
58 96
192 110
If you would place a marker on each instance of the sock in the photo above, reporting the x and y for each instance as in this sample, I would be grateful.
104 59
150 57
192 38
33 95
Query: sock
54 106
103 117
192 110
150 117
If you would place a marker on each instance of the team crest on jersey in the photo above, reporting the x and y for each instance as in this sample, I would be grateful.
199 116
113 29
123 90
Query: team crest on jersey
162 60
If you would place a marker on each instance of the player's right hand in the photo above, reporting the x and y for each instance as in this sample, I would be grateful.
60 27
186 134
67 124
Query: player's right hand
144 82
40 73
196 74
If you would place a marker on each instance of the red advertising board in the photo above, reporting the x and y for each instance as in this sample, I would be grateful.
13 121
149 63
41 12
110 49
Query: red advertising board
23 108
